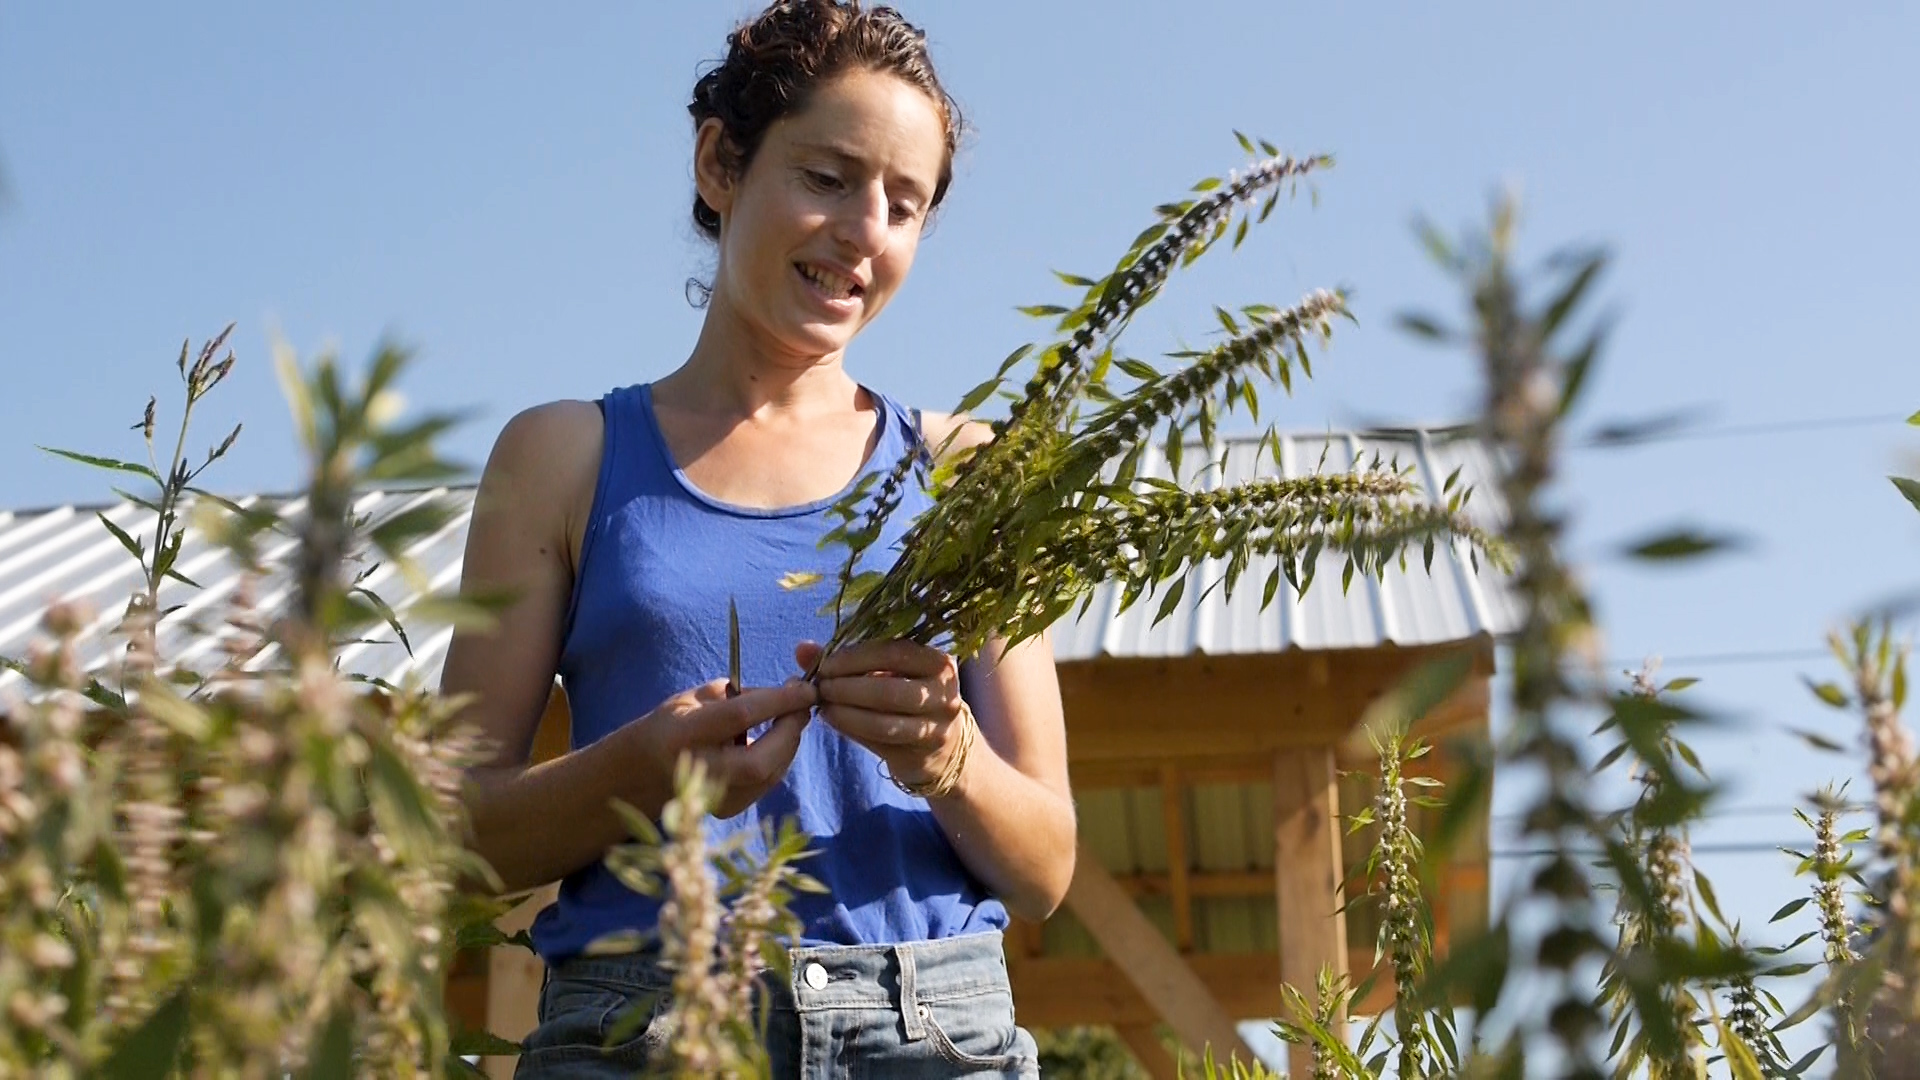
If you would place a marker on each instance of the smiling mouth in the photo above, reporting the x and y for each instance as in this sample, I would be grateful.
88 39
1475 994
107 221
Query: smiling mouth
833 286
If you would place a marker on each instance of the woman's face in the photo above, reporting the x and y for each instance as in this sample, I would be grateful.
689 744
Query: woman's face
821 230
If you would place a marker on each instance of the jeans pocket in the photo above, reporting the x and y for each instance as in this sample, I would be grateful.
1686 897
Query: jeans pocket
978 1033
581 1018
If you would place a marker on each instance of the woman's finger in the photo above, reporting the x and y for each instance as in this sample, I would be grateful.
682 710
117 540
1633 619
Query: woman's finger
888 694
909 658
876 729
723 719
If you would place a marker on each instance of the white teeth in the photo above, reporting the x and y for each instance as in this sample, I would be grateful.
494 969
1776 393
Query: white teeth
839 288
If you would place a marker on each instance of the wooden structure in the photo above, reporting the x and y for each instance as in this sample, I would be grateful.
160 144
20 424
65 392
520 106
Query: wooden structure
1213 845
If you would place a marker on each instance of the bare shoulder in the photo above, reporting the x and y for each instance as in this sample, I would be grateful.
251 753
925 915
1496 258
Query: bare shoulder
545 465
954 435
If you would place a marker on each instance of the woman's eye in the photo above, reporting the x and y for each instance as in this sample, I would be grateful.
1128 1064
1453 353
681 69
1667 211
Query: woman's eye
902 213
823 181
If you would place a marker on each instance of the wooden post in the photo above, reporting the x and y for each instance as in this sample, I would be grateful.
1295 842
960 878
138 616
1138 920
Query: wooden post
1307 873
1150 961
1179 870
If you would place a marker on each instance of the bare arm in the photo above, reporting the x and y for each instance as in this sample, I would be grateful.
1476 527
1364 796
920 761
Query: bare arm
535 824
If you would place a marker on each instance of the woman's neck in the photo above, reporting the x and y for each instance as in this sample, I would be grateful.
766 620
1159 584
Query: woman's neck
732 371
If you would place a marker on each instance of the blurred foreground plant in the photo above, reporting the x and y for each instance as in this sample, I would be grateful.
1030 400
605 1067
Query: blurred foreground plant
724 925
244 869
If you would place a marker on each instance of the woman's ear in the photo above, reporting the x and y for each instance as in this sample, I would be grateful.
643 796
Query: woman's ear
711 178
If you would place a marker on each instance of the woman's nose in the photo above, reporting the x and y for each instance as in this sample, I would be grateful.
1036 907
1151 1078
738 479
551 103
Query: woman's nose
863 223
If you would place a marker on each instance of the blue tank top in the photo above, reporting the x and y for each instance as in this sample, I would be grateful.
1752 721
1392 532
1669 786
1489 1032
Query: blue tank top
648 619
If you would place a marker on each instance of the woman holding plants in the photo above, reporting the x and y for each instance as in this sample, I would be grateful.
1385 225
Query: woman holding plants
936 794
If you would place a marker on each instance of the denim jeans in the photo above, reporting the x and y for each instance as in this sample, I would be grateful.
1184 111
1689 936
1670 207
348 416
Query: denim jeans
926 1009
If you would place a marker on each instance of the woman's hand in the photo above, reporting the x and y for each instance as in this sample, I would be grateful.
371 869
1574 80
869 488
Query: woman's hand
707 723
899 699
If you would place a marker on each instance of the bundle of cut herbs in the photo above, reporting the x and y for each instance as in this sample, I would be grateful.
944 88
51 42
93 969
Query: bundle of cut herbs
1028 525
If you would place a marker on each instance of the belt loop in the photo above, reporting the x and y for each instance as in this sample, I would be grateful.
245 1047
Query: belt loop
916 1029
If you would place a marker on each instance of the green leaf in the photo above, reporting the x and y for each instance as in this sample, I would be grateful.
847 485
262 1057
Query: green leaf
150 1051
978 396
134 547
1909 488
1171 599
1681 544
1245 143
105 463
1138 369
148 505
1817 740
1422 326
386 613
333 1052
1789 908
1914 419
1828 692
470 1042
1578 366
1569 298
400 806
1042 311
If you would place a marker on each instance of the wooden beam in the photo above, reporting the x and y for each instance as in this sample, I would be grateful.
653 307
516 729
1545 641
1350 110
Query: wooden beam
1173 817
1306 859
1201 883
1092 775
1466 709
1118 710
1149 961
1148 1051
1057 991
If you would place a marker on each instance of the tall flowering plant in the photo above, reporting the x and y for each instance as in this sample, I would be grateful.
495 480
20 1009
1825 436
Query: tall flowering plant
244 868
1026 526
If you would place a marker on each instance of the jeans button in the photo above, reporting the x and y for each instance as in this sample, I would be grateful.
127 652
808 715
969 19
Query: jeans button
815 975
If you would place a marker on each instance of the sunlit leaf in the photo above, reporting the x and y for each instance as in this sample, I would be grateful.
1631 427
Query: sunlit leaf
135 548
105 463
1828 692
800 579
1909 488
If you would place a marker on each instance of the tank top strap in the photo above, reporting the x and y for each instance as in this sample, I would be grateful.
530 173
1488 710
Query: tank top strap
906 422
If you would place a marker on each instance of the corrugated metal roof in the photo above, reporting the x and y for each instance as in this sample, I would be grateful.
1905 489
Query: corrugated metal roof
64 552
1407 607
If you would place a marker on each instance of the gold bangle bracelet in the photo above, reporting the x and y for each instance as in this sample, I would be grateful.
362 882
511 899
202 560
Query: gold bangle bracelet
949 777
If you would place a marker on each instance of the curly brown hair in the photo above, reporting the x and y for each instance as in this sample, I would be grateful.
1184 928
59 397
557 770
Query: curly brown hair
778 58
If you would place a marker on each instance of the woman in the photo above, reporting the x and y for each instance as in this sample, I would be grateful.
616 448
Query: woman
823 143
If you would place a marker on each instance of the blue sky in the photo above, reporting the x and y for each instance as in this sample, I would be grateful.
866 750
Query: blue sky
506 188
